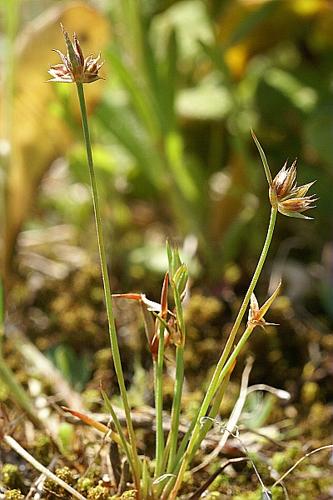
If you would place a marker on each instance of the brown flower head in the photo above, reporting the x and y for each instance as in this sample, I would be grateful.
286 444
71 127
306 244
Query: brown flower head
284 194
290 199
75 68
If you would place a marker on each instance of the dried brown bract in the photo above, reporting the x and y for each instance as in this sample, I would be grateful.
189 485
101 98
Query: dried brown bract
256 313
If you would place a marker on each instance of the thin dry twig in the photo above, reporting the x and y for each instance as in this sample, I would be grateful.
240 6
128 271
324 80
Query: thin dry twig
232 424
36 489
235 415
265 491
37 465
264 436
197 494
296 464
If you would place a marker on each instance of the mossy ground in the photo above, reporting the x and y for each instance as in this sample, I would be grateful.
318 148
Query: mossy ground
82 459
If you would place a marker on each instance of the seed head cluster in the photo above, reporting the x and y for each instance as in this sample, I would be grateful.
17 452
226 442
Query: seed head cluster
75 68
290 199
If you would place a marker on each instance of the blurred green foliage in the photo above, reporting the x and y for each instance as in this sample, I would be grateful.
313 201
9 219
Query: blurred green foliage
76 369
185 82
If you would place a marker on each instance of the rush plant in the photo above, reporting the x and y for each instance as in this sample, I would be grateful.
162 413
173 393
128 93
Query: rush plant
164 322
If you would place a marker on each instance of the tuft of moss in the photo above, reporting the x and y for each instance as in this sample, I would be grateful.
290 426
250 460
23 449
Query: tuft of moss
188 478
283 460
319 420
202 309
84 484
220 483
250 495
66 475
213 495
14 495
278 493
99 493
11 476
128 495
94 472
310 392
43 449
53 490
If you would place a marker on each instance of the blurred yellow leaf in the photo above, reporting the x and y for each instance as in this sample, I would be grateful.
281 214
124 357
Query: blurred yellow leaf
39 135
249 27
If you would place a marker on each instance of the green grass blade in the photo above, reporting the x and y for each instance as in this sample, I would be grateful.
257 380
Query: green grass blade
263 159
158 382
250 22
125 443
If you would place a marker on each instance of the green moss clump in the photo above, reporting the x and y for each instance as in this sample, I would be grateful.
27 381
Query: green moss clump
220 483
188 478
278 493
303 489
310 392
250 495
283 460
202 309
4 392
43 449
14 495
99 493
66 475
129 495
90 398
84 484
11 476
319 420
54 490
213 495
94 472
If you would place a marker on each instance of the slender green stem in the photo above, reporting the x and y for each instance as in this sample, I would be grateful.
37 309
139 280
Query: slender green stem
119 429
176 406
222 367
213 412
107 289
179 377
158 368
251 288
164 462
146 480
197 431
204 429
